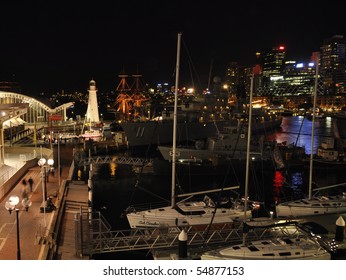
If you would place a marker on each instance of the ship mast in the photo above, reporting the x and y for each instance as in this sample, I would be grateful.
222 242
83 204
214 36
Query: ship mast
313 130
175 119
246 194
129 99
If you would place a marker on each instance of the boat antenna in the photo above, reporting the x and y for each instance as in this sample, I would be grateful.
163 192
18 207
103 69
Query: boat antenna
192 67
313 129
246 193
175 119
210 70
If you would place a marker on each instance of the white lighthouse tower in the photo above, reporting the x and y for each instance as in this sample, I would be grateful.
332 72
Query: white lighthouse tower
92 115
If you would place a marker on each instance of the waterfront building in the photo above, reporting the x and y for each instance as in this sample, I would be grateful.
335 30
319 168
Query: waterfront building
333 64
276 76
272 62
234 76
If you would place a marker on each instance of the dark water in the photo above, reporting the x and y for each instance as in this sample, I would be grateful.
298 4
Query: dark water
117 186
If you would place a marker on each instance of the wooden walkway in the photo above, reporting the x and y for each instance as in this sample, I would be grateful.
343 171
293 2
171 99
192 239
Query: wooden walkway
76 199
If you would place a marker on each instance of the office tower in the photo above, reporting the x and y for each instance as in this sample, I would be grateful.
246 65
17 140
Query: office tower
332 64
272 62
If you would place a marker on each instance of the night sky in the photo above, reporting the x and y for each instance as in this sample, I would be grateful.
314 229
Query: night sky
49 46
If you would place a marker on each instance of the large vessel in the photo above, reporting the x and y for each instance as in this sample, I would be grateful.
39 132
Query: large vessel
190 127
229 144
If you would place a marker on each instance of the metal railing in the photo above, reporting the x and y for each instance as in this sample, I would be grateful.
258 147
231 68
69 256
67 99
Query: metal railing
93 236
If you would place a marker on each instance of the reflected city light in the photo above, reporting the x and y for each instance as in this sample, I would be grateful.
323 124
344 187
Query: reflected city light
113 168
278 182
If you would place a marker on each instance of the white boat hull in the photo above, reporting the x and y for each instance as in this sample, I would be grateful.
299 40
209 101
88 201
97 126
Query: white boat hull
170 217
305 207
271 249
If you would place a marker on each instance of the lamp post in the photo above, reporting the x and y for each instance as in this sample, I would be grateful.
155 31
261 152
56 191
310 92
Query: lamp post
50 165
43 165
11 205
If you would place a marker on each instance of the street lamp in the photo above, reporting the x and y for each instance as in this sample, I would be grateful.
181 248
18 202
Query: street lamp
50 164
10 205
43 165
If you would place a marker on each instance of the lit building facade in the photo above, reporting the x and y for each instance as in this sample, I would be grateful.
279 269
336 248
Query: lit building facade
333 64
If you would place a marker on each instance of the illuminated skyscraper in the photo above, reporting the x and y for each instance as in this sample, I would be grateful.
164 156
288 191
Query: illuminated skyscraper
333 64
272 62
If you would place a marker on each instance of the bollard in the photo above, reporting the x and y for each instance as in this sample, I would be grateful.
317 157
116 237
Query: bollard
271 213
340 229
182 244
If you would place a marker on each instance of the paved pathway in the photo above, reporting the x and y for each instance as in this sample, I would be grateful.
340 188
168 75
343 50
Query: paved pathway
33 224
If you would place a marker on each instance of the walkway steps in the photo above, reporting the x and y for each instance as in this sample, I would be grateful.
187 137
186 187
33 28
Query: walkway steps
76 201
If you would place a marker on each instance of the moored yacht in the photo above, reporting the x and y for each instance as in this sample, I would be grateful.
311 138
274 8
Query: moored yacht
280 248
188 213
318 205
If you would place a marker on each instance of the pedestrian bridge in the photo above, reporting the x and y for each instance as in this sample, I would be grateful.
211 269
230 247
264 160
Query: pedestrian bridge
114 159
37 111
17 109
94 235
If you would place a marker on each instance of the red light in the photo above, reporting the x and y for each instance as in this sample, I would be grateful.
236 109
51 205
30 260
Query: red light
281 48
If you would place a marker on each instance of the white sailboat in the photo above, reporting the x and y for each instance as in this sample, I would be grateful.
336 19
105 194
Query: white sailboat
280 248
283 247
317 204
185 212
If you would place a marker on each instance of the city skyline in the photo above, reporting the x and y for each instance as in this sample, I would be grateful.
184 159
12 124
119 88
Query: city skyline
53 47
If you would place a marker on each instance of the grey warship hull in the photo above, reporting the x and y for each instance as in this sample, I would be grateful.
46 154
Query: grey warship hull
161 132
155 133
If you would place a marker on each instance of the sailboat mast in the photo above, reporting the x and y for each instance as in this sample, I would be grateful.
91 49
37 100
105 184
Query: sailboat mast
246 194
175 119
313 130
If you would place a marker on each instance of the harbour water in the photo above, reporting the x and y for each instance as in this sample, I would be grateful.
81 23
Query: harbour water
117 186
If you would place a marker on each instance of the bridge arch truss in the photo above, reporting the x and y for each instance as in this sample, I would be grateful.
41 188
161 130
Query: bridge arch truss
37 111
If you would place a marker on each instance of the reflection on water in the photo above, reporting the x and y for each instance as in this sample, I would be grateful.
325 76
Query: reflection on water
288 186
117 186
297 130
278 182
